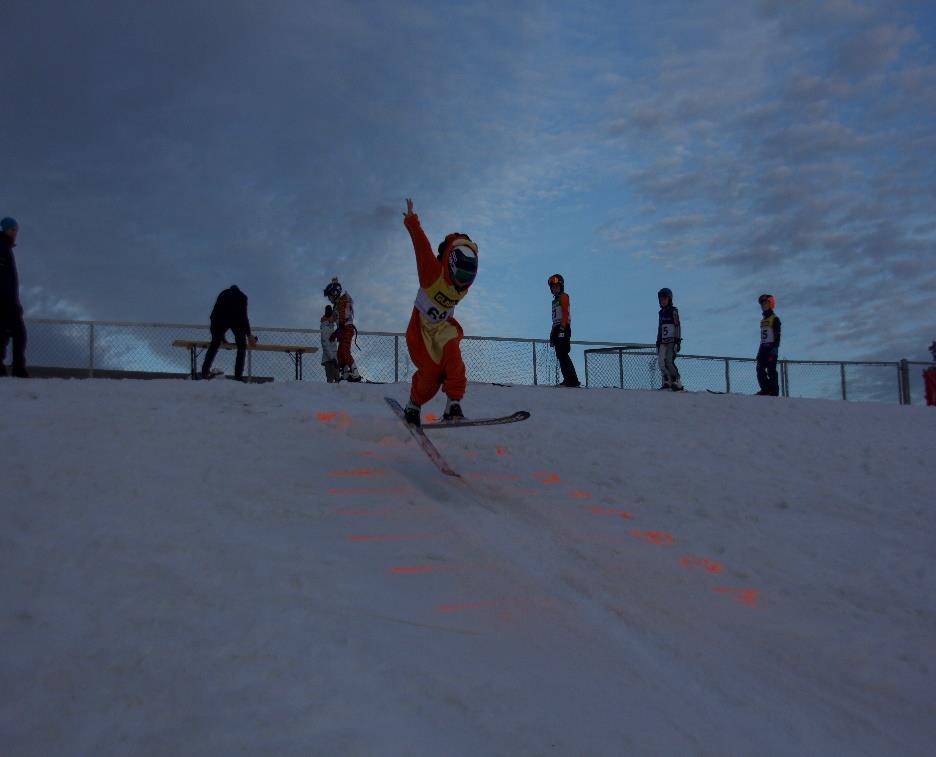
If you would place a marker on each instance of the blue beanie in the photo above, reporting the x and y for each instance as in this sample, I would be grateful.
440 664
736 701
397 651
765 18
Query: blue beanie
8 223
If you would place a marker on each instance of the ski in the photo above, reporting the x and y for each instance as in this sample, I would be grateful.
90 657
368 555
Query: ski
422 440
520 415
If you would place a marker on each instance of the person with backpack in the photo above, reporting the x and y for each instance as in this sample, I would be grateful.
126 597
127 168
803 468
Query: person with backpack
345 331
229 313
668 340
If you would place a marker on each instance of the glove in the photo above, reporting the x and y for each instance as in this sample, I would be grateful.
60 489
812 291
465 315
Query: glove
678 345
334 336
560 333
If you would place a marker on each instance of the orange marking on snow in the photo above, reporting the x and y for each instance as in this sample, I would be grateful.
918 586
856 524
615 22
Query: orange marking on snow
599 510
500 451
580 495
341 418
690 561
355 472
412 570
661 538
747 597
545 477
390 537
430 418
388 511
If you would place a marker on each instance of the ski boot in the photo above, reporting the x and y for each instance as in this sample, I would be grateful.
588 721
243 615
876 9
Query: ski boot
411 414
677 387
453 411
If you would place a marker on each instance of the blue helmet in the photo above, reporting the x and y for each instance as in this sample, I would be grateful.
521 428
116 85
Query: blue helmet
665 292
8 223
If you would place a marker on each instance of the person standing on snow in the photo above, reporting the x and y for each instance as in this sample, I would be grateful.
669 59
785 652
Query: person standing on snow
229 312
344 333
433 335
328 327
769 348
11 311
668 340
560 337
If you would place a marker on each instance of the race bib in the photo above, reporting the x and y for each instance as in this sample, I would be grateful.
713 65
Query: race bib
766 335
437 303
668 330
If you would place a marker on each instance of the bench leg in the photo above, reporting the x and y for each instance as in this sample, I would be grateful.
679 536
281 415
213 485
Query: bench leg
194 361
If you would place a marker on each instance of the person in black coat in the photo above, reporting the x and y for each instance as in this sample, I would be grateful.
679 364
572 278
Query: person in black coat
229 312
11 311
769 350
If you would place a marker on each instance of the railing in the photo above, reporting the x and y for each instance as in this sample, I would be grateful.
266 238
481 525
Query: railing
380 356
635 367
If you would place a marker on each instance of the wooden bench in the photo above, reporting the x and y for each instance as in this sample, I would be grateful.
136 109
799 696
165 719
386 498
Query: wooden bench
295 351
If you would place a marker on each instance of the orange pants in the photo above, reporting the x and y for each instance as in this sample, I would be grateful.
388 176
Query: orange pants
448 373
929 383
344 346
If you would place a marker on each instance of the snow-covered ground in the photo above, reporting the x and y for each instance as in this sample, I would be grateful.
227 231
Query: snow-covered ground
213 568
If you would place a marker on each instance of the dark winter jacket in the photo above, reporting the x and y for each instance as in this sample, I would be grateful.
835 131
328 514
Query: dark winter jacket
669 330
230 310
9 279
769 333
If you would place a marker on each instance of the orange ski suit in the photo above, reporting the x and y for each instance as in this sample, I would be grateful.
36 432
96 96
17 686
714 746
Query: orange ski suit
433 335
344 306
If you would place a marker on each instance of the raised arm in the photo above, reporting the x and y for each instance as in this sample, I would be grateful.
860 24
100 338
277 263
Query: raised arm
427 266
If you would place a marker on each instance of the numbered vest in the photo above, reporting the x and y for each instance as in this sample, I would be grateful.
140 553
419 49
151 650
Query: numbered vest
668 331
436 303
767 330
348 307
557 311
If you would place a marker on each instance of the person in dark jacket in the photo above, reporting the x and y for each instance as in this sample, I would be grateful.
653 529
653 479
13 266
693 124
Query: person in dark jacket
229 312
668 340
560 336
769 348
11 311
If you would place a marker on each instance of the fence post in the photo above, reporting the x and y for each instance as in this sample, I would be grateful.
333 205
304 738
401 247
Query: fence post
844 392
784 380
396 359
534 362
903 376
727 376
91 352
621 366
585 355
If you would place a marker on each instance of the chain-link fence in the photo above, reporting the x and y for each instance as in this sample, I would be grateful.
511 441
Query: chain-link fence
96 347
635 367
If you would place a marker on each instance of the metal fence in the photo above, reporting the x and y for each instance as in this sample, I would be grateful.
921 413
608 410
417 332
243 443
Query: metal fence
381 356
635 367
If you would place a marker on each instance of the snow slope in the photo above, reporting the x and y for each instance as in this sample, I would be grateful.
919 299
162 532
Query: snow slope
212 568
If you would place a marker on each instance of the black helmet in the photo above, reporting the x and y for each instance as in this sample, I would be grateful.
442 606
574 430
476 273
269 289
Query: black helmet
556 278
333 289
665 292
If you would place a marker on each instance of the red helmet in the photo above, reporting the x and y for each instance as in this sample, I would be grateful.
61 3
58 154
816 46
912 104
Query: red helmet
769 299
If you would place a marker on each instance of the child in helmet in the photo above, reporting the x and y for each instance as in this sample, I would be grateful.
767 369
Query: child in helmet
561 335
327 327
344 334
668 340
769 348
433 335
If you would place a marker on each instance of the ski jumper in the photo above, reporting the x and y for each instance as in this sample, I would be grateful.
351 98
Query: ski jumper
433 335
767 376
561 338
669 334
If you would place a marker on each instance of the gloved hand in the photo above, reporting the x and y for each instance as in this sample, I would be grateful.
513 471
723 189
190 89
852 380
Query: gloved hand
560 333
334 336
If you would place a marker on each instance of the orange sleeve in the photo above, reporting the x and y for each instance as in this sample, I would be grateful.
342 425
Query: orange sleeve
564 301
341 306
427 266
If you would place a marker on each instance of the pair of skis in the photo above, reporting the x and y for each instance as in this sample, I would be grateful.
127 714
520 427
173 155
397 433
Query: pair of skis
419 432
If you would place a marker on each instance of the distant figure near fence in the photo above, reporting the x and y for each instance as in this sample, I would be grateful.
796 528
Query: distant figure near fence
327 327
560 336
929 378
767 376
229 312
668 340
11 311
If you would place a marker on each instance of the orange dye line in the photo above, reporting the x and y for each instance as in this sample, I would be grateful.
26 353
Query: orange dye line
430 417
599 510
412 570
661 538
500 451
341 418
382 512
355 472
545 477
390 537
580 495
690 561
747 597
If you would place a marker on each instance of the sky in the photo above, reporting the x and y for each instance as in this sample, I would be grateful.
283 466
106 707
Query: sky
155 153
